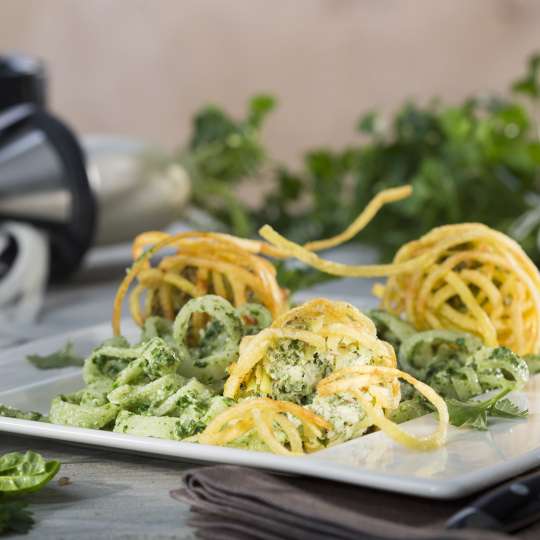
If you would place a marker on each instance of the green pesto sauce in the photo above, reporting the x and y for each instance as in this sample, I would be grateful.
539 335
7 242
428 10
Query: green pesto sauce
343 412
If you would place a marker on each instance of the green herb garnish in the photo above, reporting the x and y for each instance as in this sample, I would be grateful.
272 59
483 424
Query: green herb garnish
475 414
14 517
65 357
475 161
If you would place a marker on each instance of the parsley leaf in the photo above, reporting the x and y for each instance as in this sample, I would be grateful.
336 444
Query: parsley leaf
14 517
467 414
223 151
504 408
475 414
65 357
473 161
295 279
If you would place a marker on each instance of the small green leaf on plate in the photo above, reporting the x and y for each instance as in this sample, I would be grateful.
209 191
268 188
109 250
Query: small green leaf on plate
65 357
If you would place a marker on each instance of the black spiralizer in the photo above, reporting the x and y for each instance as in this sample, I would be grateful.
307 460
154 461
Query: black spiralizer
43 177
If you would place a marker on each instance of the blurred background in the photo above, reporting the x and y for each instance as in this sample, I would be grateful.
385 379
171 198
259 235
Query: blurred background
143 68
347 97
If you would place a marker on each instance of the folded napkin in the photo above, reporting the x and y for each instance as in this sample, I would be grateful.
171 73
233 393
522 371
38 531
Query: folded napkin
229 502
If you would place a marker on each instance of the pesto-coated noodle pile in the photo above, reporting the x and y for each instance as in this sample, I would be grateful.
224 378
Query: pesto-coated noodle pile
325 357
223 361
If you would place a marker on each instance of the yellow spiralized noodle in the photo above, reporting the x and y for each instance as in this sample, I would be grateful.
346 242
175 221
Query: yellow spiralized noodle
377 389
461 277
203 263
268 418
370 211
478 280
223 264
328 326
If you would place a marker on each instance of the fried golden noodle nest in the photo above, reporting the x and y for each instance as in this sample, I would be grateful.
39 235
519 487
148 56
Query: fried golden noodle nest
329 327
477 280
463 277
203 263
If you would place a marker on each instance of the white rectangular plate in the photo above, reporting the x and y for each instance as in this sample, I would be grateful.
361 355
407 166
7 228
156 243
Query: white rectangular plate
471 460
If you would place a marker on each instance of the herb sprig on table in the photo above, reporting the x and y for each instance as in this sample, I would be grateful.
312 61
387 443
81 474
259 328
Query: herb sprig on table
14 517
476 161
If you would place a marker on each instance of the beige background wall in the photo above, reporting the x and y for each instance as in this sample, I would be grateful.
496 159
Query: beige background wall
142 67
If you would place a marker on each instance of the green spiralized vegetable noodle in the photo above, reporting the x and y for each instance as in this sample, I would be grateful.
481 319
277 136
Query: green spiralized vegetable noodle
192 420
421 350
499 367
466 383
154 358
456 365
191 394
256 312
156 327
391 328
209 361
69 411
533 362
161 427
150 388
107 360
138 398
408 410
25 473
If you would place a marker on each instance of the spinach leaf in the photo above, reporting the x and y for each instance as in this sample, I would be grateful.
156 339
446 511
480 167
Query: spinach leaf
25 473
65 357
14 517
21 474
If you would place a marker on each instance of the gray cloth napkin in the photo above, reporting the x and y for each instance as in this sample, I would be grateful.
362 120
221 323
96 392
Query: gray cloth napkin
229 502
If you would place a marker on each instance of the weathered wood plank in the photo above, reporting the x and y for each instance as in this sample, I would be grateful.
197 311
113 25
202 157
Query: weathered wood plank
109 496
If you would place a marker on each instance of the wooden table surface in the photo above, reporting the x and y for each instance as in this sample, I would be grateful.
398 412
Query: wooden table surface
108 495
